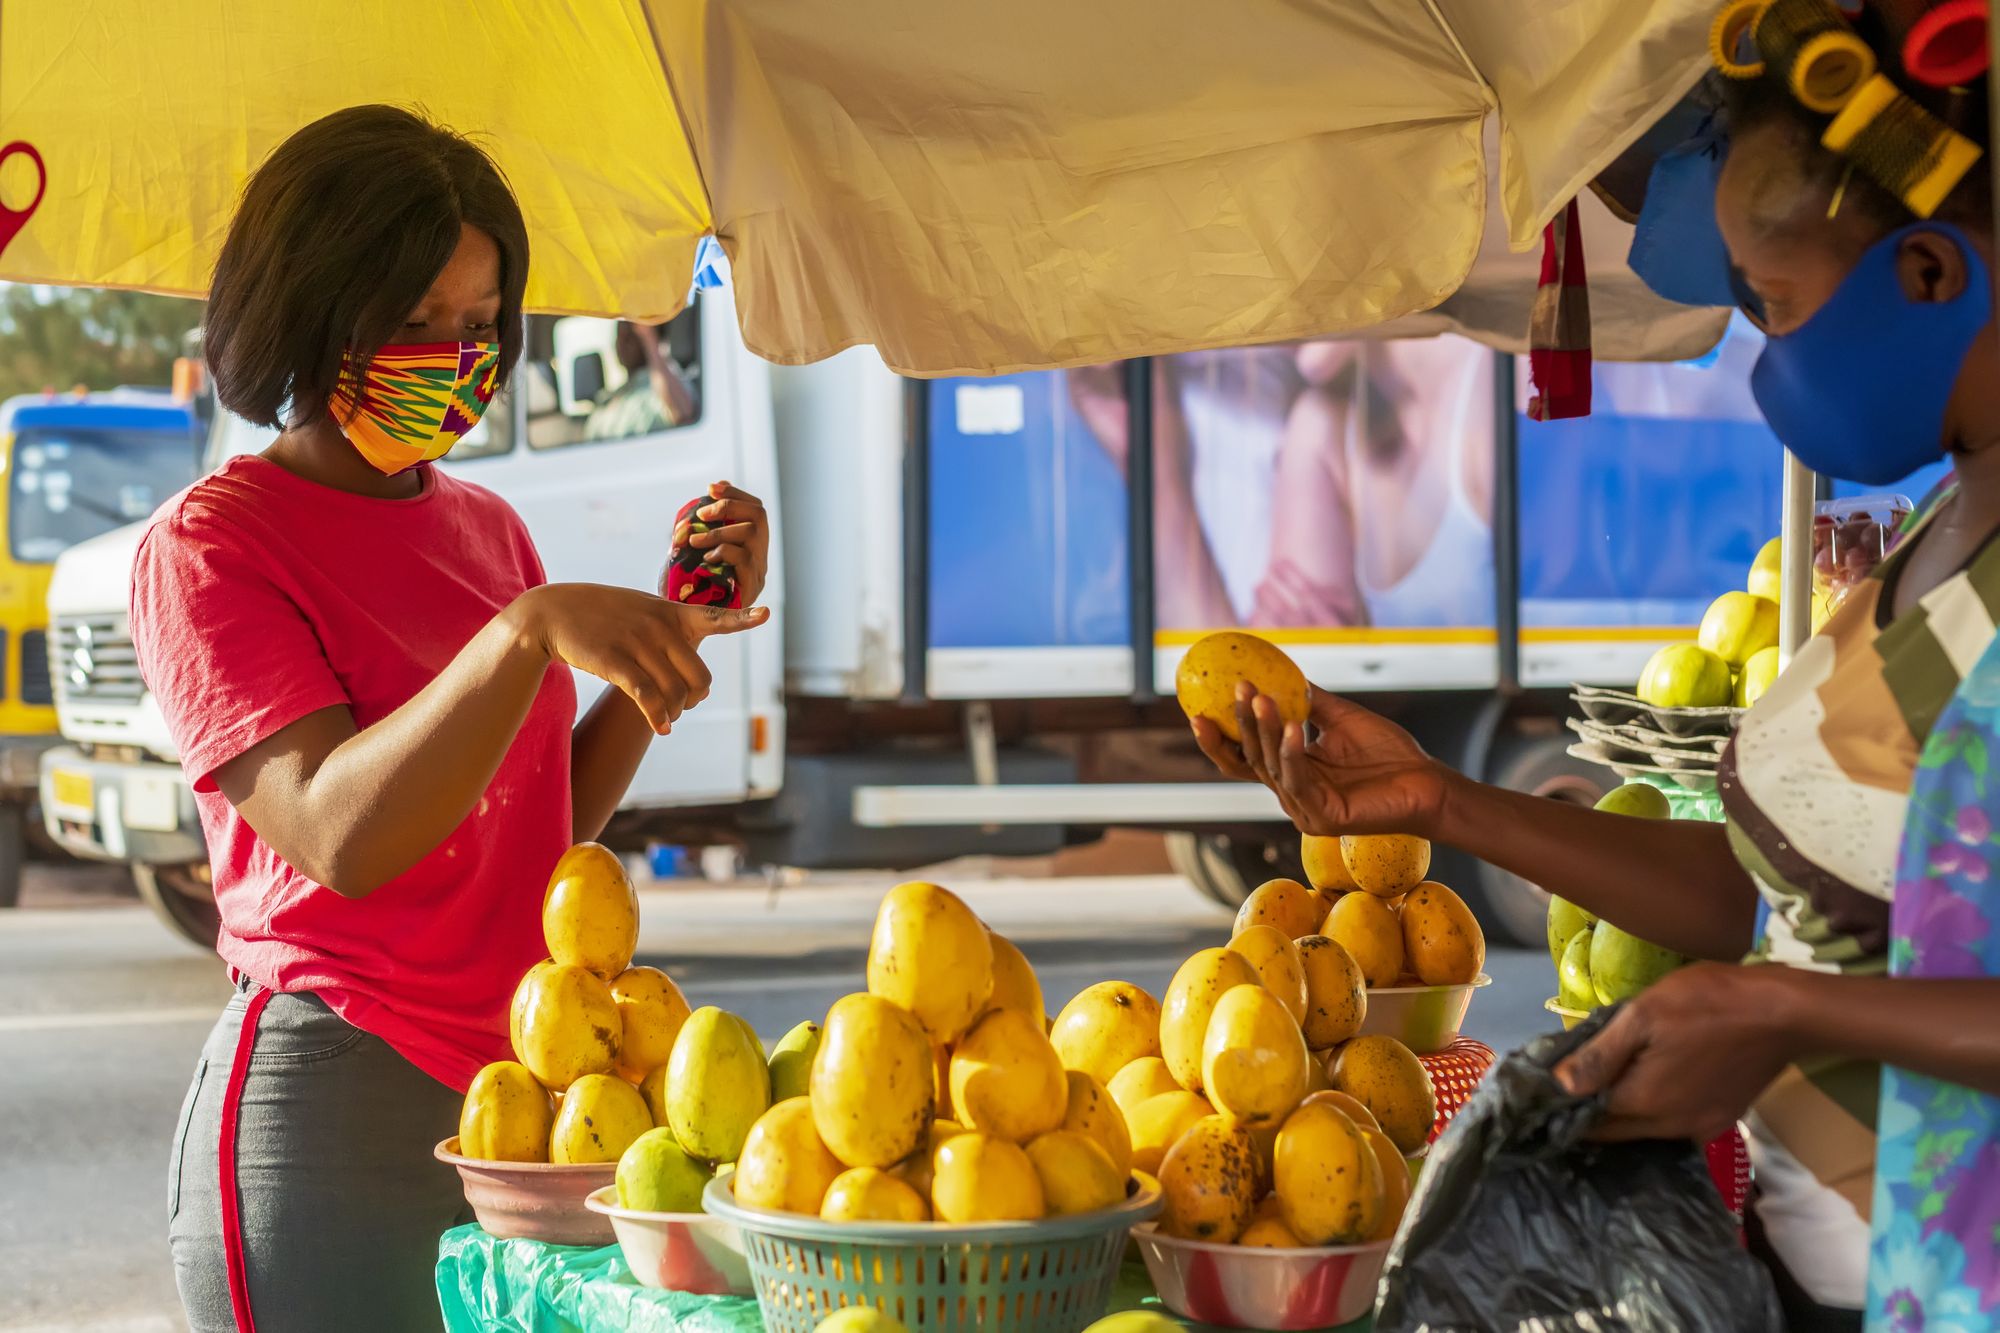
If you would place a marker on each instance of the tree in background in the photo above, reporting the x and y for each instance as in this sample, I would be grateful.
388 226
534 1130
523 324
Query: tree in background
61 337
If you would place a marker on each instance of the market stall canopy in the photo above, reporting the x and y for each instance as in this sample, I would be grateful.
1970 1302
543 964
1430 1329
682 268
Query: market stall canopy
970 188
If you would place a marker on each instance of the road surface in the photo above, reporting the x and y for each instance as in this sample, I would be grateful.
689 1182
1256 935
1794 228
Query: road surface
102 1015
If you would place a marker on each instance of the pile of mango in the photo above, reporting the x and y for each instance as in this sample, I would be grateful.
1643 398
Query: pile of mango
1596 962
1734 657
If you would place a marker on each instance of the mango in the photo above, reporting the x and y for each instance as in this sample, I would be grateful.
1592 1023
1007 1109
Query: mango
507 1116
872 1082
651 1010
1267 1208
918 1170
1738 626
1685 675
1566 922
1328 1181
1386 864
1144 1078
941 1081
1767 571
655 1175
979 1178
1573 985
517 1007
1077 1175
1622 964
718 1084
1159 1123
602 1115
1317 1079
1091 1112
1279 967
1191 998
1757 677
1442 941
1269 1233
569 1024
1382 1074
1213 666
1336 992
1264 1139
653 1088
590 914
1014 983
1362 1117
1254 1059
1105 1028
860 1319
1363 925
1285 905
932 956
1639 800
1137 1321
866 1194
1396 1182
1326 868
784 1166
1208 1181
792 1061
1006 1079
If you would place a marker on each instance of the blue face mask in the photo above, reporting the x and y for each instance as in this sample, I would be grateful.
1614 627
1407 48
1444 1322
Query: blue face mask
1859 390
1677 248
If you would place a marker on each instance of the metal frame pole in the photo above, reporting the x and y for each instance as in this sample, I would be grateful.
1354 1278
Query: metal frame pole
916 541
1506 523
1142 612
1795 607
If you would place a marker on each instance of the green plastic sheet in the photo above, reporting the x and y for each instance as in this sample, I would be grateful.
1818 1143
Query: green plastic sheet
487 1285
1685 802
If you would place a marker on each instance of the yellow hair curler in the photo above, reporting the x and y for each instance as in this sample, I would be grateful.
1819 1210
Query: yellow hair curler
1809 45
1900 146
1729 34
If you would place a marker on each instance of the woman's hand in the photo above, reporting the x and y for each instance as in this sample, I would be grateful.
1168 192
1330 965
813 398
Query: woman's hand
643 645
1360 773
1687 1056
739 536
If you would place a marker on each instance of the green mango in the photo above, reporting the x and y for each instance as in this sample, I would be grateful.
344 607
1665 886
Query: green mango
1566 922
1622 964
1641 800
792 1062
656 1175
1573 988
717 1084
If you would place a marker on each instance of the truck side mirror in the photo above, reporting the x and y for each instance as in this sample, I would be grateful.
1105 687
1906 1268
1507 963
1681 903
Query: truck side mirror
586 379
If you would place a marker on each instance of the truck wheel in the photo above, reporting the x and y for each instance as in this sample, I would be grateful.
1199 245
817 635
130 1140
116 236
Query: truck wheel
183 903
1226 868
13 852
1538 763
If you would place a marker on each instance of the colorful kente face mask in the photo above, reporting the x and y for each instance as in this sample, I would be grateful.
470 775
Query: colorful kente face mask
416 401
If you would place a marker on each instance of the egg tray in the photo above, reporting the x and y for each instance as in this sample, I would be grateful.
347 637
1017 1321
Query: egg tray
1616 708
1694 780
1632 745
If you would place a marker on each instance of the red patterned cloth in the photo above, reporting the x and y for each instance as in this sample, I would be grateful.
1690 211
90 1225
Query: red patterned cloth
1559 326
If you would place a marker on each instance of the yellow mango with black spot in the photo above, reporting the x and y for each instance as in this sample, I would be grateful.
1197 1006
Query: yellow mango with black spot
931 955
602 1115
1327 1179
872 1082
568 1024
1191 998
1209 1182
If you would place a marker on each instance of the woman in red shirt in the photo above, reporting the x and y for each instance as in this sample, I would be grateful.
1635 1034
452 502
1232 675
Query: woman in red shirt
367 675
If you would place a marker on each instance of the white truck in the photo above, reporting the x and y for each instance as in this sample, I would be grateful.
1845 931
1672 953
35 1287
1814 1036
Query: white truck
967 655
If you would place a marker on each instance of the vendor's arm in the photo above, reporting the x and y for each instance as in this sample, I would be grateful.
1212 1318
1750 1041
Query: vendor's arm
1688 1055
1673 882
611 740
352 808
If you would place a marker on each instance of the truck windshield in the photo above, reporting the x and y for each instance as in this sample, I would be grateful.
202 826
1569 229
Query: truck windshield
72 483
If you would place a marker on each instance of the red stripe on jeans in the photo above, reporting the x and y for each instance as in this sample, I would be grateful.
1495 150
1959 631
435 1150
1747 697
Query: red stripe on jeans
232 1217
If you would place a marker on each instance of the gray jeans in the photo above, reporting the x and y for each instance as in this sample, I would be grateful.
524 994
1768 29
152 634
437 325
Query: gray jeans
340 1203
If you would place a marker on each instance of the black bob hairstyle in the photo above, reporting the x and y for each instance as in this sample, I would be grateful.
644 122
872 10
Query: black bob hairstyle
338 236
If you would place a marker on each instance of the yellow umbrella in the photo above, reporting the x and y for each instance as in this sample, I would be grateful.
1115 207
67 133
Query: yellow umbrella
968 187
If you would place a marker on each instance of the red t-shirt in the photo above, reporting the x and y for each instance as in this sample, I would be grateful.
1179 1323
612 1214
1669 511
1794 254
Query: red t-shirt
259 597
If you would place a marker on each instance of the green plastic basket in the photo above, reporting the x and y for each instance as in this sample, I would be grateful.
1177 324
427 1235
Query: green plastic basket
1051 1276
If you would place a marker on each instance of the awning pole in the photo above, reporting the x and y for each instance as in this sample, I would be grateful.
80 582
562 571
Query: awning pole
1795 607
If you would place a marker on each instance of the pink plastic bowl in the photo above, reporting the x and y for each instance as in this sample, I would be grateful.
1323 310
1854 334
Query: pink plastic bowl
689 1252
533 1200
1233 1287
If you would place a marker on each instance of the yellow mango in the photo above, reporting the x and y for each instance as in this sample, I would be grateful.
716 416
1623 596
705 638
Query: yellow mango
507 1116
1317 1079
1267 1208
979 1178
1336 992
791 1062
1326 869
653 1088
865 1194
1395 1182
1364 926
1209 1182
1278 963
872 1082
1105 1028
784 1166
1158 1124
1254 1060
918 1170
1191 998
1285 905
1328 1181
1386 864
1014 983
932 956
1269 1233
1442 942
1382 1074
1213 666
1362 1117
525 990
1077 1175
602 1115
1092 1112
718 1084
1264 1138
569 1024
651 1010
860 1319
590 914
1006 1079
941 1081
1144 1078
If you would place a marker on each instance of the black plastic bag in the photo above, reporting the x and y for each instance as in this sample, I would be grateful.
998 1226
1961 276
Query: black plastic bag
1519 1224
